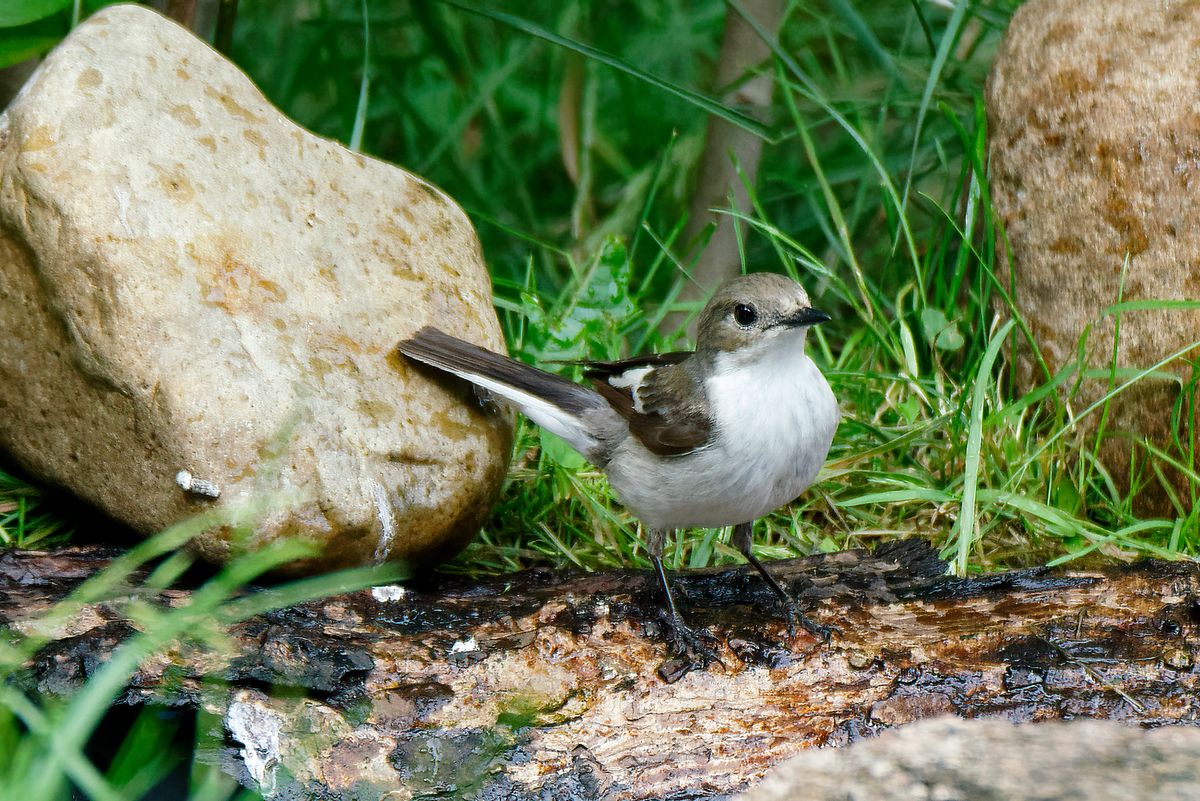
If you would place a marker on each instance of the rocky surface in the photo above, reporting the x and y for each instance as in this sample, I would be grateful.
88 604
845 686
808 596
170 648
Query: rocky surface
1094 124
190 281
992 760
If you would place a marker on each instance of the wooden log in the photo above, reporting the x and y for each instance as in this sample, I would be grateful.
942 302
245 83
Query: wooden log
544 685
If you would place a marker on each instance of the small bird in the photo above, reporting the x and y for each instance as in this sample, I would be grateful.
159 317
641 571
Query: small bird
708 438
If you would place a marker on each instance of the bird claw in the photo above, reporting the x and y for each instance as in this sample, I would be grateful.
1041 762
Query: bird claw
691 649
792 615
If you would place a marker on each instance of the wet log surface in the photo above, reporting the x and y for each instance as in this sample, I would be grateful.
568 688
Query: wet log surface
543 685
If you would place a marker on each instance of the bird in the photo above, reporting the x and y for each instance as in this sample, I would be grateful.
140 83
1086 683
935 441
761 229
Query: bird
717 436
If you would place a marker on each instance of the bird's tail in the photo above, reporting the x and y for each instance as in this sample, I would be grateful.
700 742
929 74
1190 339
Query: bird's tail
553 402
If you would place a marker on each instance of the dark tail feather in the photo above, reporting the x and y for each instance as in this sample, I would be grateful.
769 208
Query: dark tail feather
549 400
438 349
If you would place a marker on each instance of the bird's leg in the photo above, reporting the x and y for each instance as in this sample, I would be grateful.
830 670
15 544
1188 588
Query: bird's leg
684 641
743 541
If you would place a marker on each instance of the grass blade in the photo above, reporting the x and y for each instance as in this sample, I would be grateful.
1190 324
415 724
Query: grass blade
965 535
732 116
364 87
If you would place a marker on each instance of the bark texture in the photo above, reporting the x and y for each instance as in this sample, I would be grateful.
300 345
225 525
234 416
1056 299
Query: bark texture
542 685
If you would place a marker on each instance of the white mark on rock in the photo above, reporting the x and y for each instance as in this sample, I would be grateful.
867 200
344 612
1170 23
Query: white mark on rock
123 209
389 593
464 646
197 486
387 521
259 731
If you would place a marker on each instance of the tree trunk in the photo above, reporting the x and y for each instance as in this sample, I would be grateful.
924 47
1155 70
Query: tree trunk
539 685
728 148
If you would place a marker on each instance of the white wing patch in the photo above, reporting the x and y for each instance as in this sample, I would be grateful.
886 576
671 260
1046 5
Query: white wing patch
632 380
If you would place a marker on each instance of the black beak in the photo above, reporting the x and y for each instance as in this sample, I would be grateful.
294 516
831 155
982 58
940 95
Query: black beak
808 316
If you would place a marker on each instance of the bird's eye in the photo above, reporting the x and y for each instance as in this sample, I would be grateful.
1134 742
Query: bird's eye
745 314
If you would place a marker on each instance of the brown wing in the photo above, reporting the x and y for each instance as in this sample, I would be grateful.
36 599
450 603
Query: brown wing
652 393
593 370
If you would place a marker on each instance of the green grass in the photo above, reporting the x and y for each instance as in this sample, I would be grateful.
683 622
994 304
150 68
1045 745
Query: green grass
25 521
873 192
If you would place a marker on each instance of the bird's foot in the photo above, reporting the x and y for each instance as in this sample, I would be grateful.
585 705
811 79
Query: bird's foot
690 649
791 610
792 615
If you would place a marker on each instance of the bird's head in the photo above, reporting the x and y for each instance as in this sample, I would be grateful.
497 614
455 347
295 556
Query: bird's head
751 314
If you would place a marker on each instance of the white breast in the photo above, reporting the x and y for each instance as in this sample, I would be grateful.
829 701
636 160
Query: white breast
775 417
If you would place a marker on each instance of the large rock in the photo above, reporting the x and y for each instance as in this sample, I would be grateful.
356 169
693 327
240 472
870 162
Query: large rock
189 281
948 759
1094 115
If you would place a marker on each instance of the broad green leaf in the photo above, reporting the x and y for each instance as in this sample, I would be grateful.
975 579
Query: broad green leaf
15 49
22 12
933 321
940 331
909 409
949 338
1067 497
557 449
588 321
